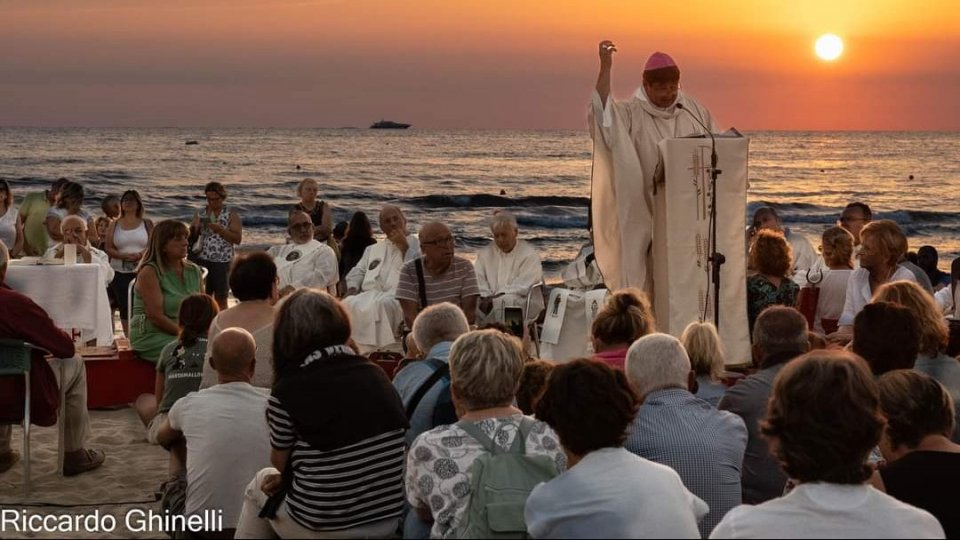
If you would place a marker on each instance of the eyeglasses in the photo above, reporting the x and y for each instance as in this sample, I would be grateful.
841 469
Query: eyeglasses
846 219
445 241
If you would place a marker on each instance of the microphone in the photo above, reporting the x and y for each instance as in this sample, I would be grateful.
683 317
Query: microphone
713 141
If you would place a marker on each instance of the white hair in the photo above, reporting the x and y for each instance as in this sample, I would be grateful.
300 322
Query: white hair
439 323
72 217
655 362
503 218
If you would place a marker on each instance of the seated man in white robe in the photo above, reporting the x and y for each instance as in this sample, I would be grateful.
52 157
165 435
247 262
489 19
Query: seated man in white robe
506 271
304 262
372 284
74 231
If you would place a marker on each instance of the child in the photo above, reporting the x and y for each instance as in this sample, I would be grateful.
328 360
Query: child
180 366
103 224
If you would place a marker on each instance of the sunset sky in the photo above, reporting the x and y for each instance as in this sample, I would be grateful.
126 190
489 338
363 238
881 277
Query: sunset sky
470 63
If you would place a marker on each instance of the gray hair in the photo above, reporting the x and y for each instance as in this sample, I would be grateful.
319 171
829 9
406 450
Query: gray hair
503 218
485 369
655 362
439 323
781 329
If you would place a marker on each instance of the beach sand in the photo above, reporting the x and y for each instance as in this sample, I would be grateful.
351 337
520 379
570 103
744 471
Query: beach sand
128 479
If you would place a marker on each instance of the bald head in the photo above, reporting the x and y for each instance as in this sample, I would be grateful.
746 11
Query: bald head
300 227
233 355
437 246
392 219
74 230
73 221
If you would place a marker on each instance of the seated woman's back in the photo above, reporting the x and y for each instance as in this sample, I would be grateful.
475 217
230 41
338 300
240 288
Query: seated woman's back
256 318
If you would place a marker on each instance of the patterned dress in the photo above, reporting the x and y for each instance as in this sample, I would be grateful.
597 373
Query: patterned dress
761 294
439 461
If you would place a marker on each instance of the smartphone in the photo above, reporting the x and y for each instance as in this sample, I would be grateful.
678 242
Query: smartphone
513 319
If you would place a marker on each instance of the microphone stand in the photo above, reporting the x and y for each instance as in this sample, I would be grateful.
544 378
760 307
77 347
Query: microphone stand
716 258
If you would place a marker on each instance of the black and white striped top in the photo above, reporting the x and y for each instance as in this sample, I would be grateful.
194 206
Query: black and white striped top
343 488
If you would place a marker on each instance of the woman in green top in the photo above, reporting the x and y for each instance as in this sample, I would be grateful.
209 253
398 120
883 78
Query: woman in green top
164 279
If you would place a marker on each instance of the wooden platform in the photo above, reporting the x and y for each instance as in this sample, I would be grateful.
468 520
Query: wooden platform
115 376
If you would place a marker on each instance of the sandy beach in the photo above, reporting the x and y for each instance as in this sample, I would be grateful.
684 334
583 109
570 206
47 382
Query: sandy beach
128 480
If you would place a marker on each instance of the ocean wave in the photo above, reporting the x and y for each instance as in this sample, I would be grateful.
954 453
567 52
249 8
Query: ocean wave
486 201
107 175
553 222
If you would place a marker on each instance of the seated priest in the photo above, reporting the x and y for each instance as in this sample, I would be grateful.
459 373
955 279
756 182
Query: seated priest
305 261
506 271
372 283
74 231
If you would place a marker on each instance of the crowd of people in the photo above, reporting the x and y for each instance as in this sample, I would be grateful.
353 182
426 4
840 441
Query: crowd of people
843 423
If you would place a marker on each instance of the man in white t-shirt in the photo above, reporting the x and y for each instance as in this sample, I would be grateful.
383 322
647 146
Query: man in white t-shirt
225 430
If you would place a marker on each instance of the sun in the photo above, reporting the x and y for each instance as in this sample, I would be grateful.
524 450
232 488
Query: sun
829 47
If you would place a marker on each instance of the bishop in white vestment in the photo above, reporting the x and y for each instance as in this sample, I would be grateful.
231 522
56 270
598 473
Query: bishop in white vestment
375 312
305 262
507 269
625 158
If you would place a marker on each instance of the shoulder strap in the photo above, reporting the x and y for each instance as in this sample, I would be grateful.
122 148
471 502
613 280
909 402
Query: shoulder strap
523 431
441 371
472 430
422 283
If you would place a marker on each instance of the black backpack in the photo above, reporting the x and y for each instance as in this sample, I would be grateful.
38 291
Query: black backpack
444 413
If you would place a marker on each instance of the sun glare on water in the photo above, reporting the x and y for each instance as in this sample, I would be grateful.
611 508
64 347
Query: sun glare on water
829 47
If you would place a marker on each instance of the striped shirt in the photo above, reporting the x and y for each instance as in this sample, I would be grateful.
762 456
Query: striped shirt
343 488
457 283
705 446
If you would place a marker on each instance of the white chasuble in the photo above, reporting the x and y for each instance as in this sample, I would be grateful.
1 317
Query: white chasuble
625 157
312 264
375 312
510 275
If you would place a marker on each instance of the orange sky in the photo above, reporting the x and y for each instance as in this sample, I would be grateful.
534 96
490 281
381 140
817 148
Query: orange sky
470 63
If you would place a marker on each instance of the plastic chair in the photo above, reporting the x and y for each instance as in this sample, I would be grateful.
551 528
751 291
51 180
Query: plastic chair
533 318
15 360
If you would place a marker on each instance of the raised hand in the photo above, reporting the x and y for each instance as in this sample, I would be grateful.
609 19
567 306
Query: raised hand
607 48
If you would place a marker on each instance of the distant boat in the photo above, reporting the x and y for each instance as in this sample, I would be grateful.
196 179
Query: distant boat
387 124
191 143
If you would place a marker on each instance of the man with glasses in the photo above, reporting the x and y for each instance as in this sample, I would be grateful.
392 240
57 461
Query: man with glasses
438 276
305 261
371 299
854 216
626 136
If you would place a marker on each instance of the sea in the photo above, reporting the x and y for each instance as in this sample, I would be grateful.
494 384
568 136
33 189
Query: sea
463 177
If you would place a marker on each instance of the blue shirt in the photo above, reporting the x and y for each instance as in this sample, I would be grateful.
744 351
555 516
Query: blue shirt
409 380
763 477
709 390
705 446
